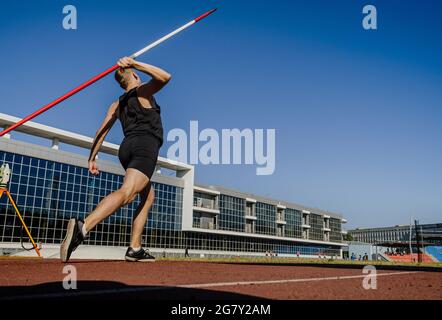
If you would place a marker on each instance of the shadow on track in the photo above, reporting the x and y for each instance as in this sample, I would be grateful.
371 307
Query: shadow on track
109 290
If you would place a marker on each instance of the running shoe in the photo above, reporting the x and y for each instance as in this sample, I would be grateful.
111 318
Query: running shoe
74 237
140 255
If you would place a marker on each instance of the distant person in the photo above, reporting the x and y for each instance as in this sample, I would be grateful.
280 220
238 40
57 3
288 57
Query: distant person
186 252
360 258
298 254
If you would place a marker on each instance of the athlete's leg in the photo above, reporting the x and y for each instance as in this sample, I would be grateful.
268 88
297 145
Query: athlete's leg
134 182
140 217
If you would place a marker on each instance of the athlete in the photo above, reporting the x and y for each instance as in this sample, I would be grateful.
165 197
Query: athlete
140 117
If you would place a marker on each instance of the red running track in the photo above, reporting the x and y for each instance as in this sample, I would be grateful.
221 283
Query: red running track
36 278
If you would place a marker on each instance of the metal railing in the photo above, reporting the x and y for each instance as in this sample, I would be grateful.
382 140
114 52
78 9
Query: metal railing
205 203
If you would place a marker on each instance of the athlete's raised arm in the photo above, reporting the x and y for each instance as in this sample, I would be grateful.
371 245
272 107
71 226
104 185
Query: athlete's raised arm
159 77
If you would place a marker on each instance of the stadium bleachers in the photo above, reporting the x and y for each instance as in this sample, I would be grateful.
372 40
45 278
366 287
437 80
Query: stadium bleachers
407 258
436 252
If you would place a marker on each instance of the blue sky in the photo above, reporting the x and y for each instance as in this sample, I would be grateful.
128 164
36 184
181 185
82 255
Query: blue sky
357 113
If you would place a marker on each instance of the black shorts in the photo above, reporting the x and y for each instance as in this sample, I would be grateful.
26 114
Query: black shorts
139 152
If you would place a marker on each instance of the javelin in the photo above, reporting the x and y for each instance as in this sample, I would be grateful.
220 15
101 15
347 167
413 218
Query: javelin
104 73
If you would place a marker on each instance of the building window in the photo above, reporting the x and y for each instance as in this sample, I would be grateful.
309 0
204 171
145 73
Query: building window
266 218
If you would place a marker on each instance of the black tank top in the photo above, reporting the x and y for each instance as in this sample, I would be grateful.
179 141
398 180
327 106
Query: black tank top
137 120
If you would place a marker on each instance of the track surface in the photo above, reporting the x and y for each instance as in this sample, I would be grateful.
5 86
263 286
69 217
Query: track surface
35 278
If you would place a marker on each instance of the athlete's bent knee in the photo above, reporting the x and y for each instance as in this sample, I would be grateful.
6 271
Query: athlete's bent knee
128 195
